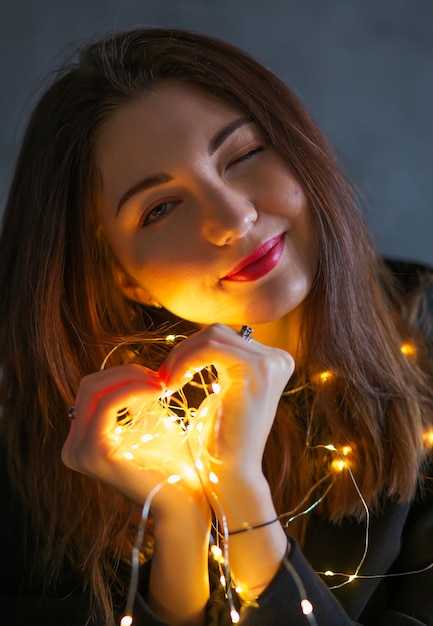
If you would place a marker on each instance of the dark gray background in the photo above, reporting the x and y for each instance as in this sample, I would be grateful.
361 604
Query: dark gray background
364 69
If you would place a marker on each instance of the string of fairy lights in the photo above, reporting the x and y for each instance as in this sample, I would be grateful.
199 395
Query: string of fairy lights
183 459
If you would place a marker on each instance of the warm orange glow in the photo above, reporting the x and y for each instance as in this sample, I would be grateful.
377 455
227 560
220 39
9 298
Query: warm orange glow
428 438
217 554
408 349
173 479
147 437
199 465
216 387
323 377
155 437
339 465
126 620
213 478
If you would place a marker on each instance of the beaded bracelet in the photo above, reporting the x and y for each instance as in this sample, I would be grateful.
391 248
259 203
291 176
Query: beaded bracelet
248 527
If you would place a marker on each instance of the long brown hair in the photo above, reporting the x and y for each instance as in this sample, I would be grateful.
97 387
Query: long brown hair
61 310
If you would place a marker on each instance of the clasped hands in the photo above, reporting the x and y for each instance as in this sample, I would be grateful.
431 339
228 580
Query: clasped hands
220 452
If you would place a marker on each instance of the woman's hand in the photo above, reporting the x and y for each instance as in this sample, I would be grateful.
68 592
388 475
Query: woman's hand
93 447
252 377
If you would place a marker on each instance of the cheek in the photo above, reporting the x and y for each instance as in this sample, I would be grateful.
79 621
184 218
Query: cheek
164 269
296 204
310 245
281 191
303 228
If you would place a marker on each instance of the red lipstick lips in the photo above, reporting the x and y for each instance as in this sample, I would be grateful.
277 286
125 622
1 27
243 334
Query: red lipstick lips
258 263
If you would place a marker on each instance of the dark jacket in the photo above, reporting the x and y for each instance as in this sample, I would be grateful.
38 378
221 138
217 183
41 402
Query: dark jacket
391 594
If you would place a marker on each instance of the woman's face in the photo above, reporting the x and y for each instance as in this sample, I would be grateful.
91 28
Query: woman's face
204 216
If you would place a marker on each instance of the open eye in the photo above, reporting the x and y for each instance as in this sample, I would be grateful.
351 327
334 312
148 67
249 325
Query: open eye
158 212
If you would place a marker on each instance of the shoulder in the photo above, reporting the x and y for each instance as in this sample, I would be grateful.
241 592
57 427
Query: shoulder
414 284
409 274
417 540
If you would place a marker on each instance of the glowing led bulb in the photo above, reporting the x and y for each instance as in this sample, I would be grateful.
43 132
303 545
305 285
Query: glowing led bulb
173 479
213 478
351 578
223 580
234 616
199 465
408 349
217 554
346 450
323 377
128 455
428 438
329 572
147 437
306 606
216 551
169 339
216 387
126 620
338 465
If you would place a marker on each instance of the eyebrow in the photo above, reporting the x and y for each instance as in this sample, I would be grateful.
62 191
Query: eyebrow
142 185
225 133
159 179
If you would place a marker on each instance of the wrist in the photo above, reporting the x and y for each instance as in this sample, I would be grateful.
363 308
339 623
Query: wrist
176 507
243 501
247 527
232 477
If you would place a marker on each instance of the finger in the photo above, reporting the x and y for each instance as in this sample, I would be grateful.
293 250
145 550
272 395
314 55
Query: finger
200 350
108 379
96 417
233 357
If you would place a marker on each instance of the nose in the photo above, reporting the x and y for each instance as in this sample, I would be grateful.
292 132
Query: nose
229 216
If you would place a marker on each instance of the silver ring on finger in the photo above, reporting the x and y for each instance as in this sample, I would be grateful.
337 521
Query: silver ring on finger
71 411
246 332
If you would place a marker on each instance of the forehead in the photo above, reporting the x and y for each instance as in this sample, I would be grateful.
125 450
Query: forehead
168 114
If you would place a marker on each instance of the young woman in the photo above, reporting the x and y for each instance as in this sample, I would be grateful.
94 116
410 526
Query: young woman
167 183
